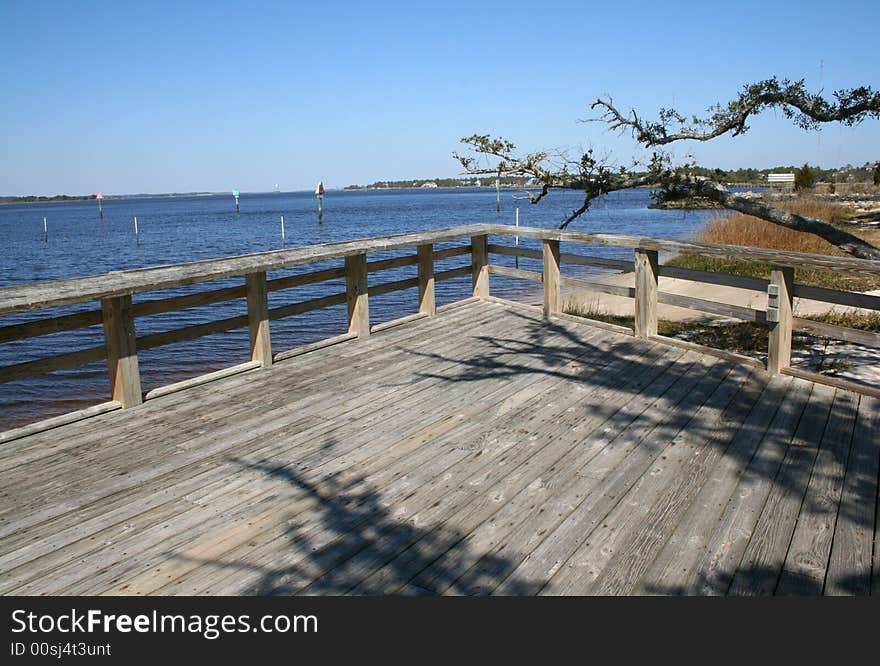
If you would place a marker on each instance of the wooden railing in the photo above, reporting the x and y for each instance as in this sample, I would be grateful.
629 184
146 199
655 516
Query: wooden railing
117 312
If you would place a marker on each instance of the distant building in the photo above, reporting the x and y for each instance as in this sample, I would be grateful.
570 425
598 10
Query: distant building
429 185
781 180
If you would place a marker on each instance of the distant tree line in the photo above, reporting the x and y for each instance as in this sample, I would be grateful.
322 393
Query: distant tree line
488 181
807 175
31 198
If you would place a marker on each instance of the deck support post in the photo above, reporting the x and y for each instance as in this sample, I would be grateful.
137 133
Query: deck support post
552 295
646 293
780 306
427 305
480 265
258 318
357 296
122 359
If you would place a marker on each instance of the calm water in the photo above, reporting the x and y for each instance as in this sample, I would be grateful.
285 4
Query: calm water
182 229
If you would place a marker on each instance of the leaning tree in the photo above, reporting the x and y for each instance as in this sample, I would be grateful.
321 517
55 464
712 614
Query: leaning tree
596 176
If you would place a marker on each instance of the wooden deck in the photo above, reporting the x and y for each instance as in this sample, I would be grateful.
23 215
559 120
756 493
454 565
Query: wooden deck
482 451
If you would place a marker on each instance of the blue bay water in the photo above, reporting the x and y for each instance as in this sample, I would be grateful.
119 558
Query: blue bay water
190 228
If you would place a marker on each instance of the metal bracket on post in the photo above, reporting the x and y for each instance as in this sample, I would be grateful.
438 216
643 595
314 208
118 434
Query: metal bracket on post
773 303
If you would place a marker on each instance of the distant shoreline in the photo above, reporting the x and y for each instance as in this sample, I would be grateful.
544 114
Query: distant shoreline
66 198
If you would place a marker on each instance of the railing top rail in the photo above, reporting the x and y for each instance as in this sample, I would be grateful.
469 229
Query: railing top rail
41 295
754 254
56 293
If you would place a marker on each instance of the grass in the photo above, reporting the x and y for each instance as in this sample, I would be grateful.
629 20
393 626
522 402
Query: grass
744 230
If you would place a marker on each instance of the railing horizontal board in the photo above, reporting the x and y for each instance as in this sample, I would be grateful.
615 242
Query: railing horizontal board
37 327
712 307
566 258
837 382
305 278
385 325
854 335
52 364
306 306
601 287
597 262
449 252
452 273
534 276
709 277
849 298
190 332
77 290
758 255
201 379
313 346
394 262
712 351
43 295
146 308
57 421
388 287
515 251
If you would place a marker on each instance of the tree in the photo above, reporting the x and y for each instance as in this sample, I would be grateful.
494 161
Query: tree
596 177
804 178
877 174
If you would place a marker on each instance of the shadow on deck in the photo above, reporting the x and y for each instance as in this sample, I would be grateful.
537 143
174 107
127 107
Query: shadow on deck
484 451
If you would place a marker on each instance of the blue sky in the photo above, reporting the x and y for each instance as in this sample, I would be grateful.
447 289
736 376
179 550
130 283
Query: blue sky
160 97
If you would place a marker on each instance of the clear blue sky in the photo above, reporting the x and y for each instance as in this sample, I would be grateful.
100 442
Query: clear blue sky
160 97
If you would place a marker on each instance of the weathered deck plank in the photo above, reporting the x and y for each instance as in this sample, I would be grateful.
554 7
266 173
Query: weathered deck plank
482 450
806 562
849 569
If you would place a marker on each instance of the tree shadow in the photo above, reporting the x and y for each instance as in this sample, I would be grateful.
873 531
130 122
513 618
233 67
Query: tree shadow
360 539
349 518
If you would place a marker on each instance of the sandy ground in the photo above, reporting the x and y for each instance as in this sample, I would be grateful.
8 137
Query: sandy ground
846 360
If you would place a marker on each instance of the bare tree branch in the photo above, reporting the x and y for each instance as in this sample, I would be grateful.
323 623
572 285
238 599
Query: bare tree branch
595 177
807 110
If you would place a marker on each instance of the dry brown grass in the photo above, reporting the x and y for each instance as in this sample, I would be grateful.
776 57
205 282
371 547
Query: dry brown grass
739 229
747 231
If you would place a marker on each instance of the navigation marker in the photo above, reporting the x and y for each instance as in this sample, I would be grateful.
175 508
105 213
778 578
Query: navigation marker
319 191
45 231
136 237
100 198
235 194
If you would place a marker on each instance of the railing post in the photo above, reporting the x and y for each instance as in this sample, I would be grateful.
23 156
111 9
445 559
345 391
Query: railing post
646 293
780 301
122 359
480 265
357 296
426 280
258 318
552 297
